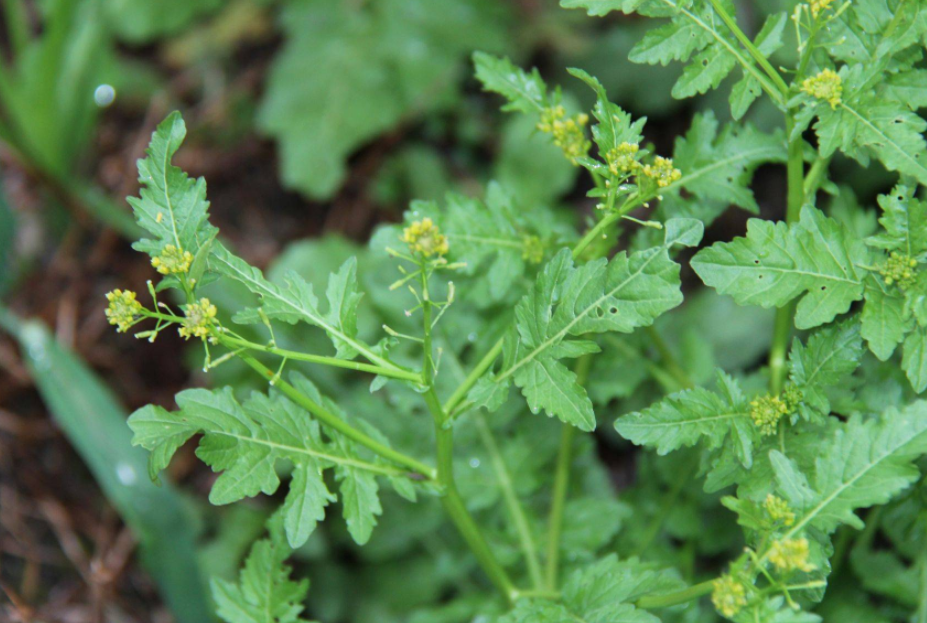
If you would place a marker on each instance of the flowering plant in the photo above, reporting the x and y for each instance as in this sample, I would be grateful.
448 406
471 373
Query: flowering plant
447 312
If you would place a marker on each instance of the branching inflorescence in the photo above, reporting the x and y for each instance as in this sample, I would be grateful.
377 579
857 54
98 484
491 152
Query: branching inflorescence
796 446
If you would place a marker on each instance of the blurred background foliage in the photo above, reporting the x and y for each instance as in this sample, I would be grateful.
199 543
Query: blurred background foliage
309 118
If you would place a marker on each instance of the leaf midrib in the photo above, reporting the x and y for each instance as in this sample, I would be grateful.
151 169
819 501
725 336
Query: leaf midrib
299 309
557 337
380 469
844 486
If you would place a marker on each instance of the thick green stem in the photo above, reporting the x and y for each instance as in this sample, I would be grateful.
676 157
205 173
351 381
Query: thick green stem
444 442
758 56
795 176
404 375
653 602
333 421
454 504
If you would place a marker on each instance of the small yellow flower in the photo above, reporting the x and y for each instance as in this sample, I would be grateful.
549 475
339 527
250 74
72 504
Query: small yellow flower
662 171
778 510
899 268
791 554
622 160
766 413
123 309
819 6
172 260
424 237
199 320
728 595
532 249
567 132
827 86
791 397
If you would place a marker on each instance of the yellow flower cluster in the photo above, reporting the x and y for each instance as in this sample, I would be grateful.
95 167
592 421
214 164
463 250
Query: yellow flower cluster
662 171
899 268
173 260
766 412
123 309
827 86
728 595
532 249
778 510
819 6
567 132
200 317
424 237
791 555
622 160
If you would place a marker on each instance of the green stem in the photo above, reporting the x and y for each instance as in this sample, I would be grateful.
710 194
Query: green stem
333 421
464 388
444 441
562 484
404 375
558 504
486 362
795 174
607 221
454 505
552 595
656 525
653 602
815 176
779 83
520 521
669 359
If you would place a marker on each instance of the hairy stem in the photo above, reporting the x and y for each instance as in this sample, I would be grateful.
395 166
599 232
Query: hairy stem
517 513
333 421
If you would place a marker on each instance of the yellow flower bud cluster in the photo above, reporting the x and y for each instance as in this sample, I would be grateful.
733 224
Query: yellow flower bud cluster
567 132
532 249
778 510
424 237
766 412
172 260
622 160
123 309
899 268
199 320
728 595
819 6
827 86
791 555
662 171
